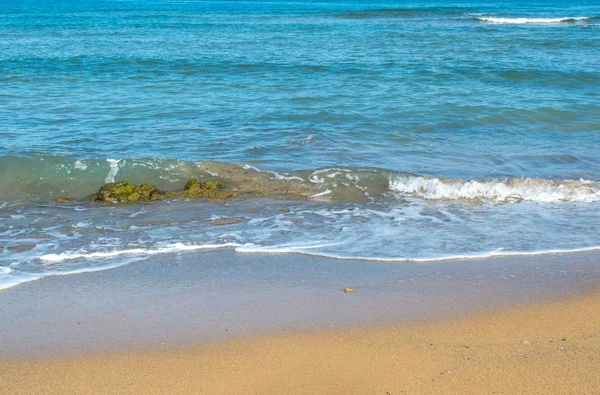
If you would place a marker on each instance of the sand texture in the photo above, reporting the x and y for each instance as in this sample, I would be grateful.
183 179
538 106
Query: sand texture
536 349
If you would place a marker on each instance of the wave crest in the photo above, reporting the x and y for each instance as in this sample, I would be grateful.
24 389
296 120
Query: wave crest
510 190
43 178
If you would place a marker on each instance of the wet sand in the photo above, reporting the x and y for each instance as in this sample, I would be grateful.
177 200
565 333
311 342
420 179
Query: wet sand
232 323
536 349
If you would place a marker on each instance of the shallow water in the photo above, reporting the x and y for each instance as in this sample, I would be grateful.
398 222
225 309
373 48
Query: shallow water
377 130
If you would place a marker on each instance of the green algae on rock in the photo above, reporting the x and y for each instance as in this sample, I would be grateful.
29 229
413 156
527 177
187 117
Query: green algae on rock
195 189
126 192
195 184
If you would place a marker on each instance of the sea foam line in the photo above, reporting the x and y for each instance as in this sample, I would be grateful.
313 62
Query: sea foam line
14 278
9 279
286 249
176 247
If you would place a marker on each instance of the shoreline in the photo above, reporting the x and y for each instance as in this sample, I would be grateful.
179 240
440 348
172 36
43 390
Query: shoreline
530 348
137 255
179 300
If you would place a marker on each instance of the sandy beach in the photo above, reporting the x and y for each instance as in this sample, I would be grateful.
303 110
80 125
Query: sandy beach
536 349
282 324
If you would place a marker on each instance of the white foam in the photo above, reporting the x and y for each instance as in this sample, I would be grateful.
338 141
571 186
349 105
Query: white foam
325 192
133 215
315 179
284 177
14 278
212 173
80 165
250 167
521 21
513 190
276 175
11 281
114 169
176 247
305 250
282 249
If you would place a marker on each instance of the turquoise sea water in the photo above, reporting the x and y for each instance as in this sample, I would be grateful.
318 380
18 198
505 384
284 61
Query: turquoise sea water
386 130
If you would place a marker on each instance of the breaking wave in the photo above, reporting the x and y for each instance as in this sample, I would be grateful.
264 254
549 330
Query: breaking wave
43 178
510 190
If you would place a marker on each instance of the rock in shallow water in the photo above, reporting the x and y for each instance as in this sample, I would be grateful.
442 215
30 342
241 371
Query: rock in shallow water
127 192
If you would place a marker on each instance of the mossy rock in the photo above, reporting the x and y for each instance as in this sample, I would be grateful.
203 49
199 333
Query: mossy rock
62 199
194 189
126 192
211 189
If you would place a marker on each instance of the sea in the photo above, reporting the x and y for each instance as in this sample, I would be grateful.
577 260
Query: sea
398 131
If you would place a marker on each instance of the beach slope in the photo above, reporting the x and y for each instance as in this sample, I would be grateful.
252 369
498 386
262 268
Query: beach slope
553 347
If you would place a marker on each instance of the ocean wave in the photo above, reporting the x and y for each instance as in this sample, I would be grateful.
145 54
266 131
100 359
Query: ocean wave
43 178
522 20
510 190
44 240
